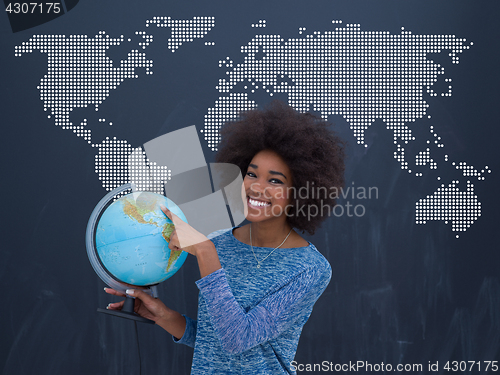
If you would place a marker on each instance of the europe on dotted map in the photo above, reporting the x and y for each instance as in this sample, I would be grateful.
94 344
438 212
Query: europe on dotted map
360 75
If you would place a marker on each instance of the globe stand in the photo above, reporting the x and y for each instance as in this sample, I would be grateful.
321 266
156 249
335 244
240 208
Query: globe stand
127 312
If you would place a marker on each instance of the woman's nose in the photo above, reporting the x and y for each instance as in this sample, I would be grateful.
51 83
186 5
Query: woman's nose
259 190
255 187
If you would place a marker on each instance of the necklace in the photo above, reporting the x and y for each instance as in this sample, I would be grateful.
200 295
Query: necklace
272 251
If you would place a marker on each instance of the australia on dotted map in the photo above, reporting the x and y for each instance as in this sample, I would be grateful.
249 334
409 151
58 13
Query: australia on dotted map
360 75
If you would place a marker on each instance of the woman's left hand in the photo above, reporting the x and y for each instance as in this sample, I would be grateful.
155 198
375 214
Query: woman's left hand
184 237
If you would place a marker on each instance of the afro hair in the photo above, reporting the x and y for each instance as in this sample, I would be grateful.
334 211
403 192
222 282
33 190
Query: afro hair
313 152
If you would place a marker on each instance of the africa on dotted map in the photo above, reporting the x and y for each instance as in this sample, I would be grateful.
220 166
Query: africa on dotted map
362 76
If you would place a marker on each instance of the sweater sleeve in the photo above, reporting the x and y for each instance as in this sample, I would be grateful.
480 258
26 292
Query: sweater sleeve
238 330
189 336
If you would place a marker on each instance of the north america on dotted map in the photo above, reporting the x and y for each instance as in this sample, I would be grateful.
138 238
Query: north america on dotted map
342 70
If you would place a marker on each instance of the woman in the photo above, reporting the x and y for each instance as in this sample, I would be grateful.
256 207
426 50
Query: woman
259 281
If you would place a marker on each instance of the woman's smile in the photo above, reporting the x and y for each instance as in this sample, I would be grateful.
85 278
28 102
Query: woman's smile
256 203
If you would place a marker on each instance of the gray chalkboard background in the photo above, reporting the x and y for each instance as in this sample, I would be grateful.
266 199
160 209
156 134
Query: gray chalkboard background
401 292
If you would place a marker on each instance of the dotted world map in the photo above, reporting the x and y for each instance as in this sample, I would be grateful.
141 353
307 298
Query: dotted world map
360 75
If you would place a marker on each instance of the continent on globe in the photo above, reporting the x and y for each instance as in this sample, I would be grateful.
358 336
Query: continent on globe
143 207
132 239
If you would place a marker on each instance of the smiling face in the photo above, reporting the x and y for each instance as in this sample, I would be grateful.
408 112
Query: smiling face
267 184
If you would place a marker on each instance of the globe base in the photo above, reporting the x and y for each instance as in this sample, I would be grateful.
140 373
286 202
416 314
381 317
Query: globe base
127 312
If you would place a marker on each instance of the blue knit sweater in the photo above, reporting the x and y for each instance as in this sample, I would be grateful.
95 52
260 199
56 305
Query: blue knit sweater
249 318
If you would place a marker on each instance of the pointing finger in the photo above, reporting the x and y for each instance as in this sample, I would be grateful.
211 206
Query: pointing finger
173 217
166 211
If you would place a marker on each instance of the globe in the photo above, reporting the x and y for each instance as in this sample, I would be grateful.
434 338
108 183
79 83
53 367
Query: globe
127 241
132 237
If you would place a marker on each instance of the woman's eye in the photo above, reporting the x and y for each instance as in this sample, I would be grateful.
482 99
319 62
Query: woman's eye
276 181
250 174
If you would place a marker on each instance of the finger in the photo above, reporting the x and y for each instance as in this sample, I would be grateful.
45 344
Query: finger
114 292
166 211
144 297
169 213
173 217
115 306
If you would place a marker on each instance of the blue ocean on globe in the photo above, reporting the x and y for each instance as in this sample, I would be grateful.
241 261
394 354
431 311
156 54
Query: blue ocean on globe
132 239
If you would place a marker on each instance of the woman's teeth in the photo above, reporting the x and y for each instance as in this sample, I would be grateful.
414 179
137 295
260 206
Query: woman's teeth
257 203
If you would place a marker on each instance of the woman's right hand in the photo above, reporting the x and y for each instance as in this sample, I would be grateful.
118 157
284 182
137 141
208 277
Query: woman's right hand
153 309
145 305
